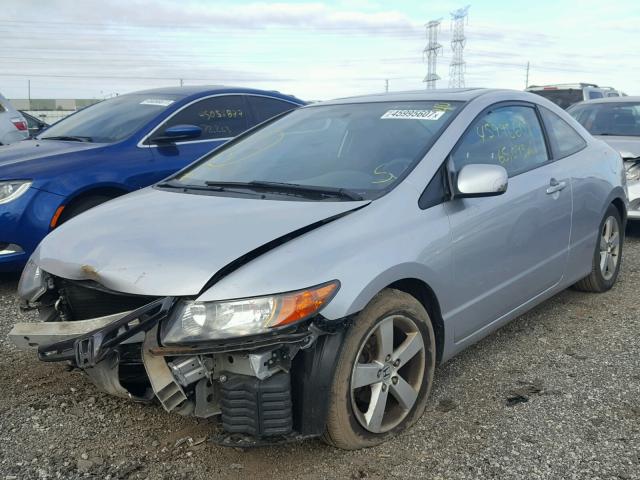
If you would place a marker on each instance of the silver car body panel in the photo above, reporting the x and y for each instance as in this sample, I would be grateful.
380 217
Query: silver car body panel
486 260
162 243
8 131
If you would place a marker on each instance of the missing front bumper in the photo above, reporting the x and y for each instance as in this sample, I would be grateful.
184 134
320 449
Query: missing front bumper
235 370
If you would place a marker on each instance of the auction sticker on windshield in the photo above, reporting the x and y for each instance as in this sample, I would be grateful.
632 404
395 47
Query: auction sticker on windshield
161 102
413 114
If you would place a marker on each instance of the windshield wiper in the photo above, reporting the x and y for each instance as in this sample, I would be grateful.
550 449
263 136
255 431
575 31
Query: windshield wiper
69 138
292 188
217 188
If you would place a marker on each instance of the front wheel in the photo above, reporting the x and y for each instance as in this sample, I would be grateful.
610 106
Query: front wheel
605 264
384 372
82 206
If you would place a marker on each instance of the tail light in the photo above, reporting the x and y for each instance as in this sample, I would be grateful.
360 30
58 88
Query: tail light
19 124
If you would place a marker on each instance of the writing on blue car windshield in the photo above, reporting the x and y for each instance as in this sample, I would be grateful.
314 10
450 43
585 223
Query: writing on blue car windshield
110 120
364 149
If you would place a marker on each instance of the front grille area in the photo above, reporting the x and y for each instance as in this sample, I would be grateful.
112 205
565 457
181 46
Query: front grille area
86 300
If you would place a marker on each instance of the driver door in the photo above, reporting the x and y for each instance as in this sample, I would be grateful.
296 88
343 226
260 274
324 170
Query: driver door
510 248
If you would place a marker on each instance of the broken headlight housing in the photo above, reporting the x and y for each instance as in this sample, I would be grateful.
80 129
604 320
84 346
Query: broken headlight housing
633 173
33 282
193 321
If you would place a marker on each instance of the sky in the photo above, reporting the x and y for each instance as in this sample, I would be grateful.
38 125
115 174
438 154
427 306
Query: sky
314 50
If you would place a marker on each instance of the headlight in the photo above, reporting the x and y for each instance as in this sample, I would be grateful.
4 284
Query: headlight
32 282
633 173
201 321
12 189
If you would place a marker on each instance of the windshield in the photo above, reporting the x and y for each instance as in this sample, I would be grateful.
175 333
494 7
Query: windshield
110 120
563 98
616 118
364 148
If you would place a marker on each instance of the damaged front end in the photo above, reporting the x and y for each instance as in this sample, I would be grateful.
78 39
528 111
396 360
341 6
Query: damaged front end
264 365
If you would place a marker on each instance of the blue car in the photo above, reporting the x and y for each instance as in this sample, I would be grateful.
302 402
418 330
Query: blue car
112 148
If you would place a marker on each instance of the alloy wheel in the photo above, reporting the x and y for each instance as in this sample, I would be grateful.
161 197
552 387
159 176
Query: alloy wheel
388 374
609 248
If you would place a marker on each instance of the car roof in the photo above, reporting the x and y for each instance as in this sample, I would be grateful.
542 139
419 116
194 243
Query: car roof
444 94
628 99
191 90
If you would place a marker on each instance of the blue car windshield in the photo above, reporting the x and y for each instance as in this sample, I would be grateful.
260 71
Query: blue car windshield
365 148
110 120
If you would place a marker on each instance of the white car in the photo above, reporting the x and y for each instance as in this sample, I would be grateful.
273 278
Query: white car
566 94
13 126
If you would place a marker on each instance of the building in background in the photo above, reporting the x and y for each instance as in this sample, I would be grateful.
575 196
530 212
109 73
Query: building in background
51 110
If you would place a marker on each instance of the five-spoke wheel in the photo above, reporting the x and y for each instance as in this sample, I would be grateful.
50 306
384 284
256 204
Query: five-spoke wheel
384 372
388 374
609 247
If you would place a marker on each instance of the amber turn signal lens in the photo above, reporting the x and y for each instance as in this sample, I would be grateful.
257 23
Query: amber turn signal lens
296 306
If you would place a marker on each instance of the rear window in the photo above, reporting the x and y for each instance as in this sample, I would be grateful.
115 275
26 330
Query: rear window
615 118
564 98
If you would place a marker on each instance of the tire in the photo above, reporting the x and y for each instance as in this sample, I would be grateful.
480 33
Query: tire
363 361
81 206
600 280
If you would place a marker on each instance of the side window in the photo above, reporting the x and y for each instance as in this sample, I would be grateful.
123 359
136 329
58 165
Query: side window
264 108
218 117
564 139
510 136
594 94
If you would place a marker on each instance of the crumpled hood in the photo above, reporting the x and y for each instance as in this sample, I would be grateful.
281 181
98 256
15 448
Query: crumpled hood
158 243
623 144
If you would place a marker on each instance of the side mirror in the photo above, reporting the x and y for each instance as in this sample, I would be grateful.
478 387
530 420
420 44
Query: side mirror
178 133
481 180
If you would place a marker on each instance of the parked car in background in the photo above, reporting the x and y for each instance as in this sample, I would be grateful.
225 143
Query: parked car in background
566 94
617 122
13 126
306 278
34 124
115 147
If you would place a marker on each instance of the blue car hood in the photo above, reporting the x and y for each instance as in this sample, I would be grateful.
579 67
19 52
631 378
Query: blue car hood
28 158
155 242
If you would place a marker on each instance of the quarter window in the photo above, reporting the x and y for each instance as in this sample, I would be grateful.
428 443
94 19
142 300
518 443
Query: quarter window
564 139
510 136
218 117
264 108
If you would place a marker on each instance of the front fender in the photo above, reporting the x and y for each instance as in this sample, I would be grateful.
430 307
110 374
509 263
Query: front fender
366 251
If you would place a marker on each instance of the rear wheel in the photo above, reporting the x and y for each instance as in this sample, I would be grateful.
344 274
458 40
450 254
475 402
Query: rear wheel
607 256
384 372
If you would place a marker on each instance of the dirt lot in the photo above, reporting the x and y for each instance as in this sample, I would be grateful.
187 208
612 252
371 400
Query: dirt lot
555 394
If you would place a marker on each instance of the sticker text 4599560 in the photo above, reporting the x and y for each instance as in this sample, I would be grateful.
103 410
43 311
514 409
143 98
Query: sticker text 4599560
413 114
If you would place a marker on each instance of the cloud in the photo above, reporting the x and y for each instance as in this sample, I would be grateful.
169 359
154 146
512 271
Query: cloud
252 16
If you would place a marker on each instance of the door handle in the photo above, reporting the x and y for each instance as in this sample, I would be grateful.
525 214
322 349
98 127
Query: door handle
555 186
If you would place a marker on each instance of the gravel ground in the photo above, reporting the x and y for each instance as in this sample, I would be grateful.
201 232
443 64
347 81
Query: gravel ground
555 394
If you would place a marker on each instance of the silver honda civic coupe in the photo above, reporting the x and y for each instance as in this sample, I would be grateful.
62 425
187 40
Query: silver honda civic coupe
305 279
